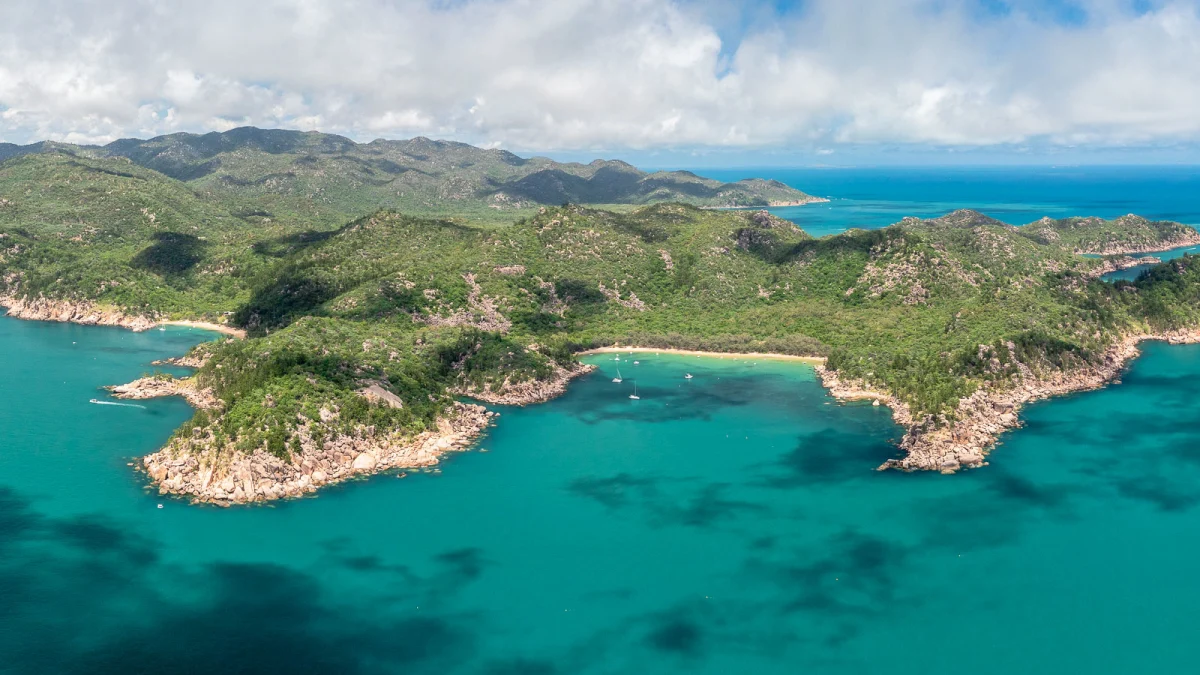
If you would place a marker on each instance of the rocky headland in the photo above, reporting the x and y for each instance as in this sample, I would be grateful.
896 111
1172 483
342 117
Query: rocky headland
1123 262
772 204
68 311
160 386
529 391
92 314
1178 240
934 443
198 468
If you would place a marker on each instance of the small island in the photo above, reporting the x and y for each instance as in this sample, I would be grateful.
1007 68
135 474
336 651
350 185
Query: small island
356 329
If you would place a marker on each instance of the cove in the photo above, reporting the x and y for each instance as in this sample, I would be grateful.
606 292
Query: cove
729 523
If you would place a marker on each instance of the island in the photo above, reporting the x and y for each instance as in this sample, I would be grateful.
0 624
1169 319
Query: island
359 329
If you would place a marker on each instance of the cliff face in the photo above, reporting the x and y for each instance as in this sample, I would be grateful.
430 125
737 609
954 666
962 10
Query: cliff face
67 311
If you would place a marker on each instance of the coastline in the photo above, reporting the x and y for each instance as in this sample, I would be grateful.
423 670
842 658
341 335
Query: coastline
989 412
1111 265
196 467
93 314
529 392
206 325
187 467
769 205
1186 241
813 360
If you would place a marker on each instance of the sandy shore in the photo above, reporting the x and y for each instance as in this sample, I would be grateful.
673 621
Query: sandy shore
814 360
205 325
769 205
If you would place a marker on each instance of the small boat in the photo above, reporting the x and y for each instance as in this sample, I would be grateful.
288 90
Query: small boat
634 395
160 506
637 363
688 376
618 378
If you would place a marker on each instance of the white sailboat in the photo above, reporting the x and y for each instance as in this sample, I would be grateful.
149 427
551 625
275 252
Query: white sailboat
618 378
634 395
688 376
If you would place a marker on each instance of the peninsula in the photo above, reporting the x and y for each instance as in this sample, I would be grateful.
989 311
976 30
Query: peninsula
359 323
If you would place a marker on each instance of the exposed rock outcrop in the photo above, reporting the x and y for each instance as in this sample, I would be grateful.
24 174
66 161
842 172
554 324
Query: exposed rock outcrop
931 444
1116 264
197 468
193 360
529 391
93 314
67 311
161 387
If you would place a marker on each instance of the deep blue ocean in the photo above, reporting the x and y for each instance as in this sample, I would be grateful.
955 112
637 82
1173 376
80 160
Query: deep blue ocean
732 523
871 198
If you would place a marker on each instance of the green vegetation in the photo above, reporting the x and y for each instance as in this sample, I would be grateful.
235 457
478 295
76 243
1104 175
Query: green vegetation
430 308
1125 234
322 181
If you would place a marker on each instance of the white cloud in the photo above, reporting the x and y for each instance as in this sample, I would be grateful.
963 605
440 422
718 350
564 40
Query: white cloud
600 74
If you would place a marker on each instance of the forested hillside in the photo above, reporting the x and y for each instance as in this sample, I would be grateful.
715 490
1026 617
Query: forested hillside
324 180
379 323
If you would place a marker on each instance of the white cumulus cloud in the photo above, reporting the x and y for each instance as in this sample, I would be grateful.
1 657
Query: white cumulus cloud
604 74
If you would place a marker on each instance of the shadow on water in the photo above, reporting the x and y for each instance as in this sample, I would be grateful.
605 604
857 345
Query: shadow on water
59 575
665 503
830 456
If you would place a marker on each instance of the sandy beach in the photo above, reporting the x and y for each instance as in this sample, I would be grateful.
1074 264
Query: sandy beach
204 325
814 360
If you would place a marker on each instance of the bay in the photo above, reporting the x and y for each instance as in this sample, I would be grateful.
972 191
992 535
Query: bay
728 523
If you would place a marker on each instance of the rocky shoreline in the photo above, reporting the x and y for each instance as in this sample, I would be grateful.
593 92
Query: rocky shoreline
163 386
91 314
773 204
195 468
1180 241
1110 265
530 391
67 311
983 416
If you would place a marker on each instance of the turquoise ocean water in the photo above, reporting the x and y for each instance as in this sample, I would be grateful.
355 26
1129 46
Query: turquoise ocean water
727 524
732 523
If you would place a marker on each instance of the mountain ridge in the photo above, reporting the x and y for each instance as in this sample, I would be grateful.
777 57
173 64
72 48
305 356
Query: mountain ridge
417 175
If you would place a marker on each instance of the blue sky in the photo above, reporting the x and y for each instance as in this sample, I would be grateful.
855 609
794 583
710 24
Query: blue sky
666 82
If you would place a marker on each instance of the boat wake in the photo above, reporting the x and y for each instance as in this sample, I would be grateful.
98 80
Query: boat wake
123 405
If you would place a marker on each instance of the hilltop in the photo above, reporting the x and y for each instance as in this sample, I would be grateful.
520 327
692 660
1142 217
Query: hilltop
363 336
1124 235
324 180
